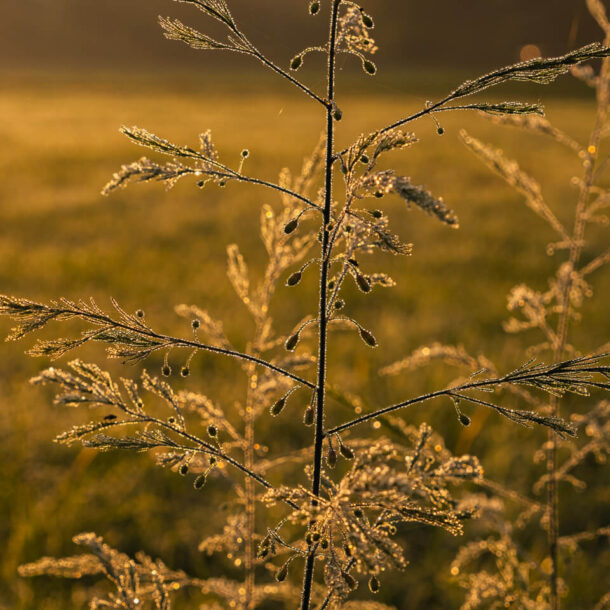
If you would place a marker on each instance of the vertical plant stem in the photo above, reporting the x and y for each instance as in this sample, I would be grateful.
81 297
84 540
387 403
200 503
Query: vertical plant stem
322 313
250 492
564 322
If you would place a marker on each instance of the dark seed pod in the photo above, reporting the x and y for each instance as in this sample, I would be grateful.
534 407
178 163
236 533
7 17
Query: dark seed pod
364 159
276 409
363 283
369 67
171 420
185 372
358 513
183 469
464 419
315 536
245 153
263 553
440 131
291 226
296 62
212 460
309 538
368 338
140 313
291 342
222 184
110 417
281 574
350 580
199 481
314 8
331 457
346 452
367 20
195 324
379 194
308 417
294 279
374 584
337 114
324 544
201 184
212 430
353 261
331 285
339 304
376 214
166 370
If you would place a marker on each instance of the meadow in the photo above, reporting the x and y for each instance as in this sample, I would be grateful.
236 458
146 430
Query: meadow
152 250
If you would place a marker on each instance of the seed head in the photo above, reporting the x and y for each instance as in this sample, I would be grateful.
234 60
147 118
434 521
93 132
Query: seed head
440 131
199 481
374 584
367 20
212 430
291 226
369 67
349 579
166 370
183 469
296 62
185 371
331 456
346 452
276 409
358 513
337 114
314 8
281 574
140 313
464 419
368 338
245 153
292 341
363 283
195 324
376 214
294 279
308 417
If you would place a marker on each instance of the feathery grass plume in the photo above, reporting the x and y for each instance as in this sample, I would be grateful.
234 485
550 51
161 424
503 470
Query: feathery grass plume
544 581
345 503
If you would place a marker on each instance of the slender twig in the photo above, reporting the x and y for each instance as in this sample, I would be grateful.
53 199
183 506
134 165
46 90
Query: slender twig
177 342
322 315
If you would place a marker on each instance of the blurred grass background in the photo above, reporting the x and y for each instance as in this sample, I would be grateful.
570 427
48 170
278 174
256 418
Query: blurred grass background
153 249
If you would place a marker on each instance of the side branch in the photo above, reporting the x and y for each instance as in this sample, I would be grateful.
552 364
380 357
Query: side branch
33 316
570 376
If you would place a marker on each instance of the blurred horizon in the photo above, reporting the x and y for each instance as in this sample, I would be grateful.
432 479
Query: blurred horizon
114 35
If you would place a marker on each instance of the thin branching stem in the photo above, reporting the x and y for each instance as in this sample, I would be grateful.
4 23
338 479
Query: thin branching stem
322 313
178 342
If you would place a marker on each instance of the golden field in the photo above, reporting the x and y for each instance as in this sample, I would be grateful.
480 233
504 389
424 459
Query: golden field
153 249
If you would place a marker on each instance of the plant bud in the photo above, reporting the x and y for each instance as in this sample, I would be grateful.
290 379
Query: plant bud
199 481
331 457
368 338
363 283
337 114
296 62
349 579
291 226
294 279
347 549
222 184
364 159
314 8
367 20
166 370
281 574
291 342
140 313
346 452
201 184
376 214
358 513
369 67
379 194
308 417
464 419
183 469
315 536
109 417
440 131
212 430
195 324
276 409
171 420
324 544
339 304
245 153
185 372
374 584
213 460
